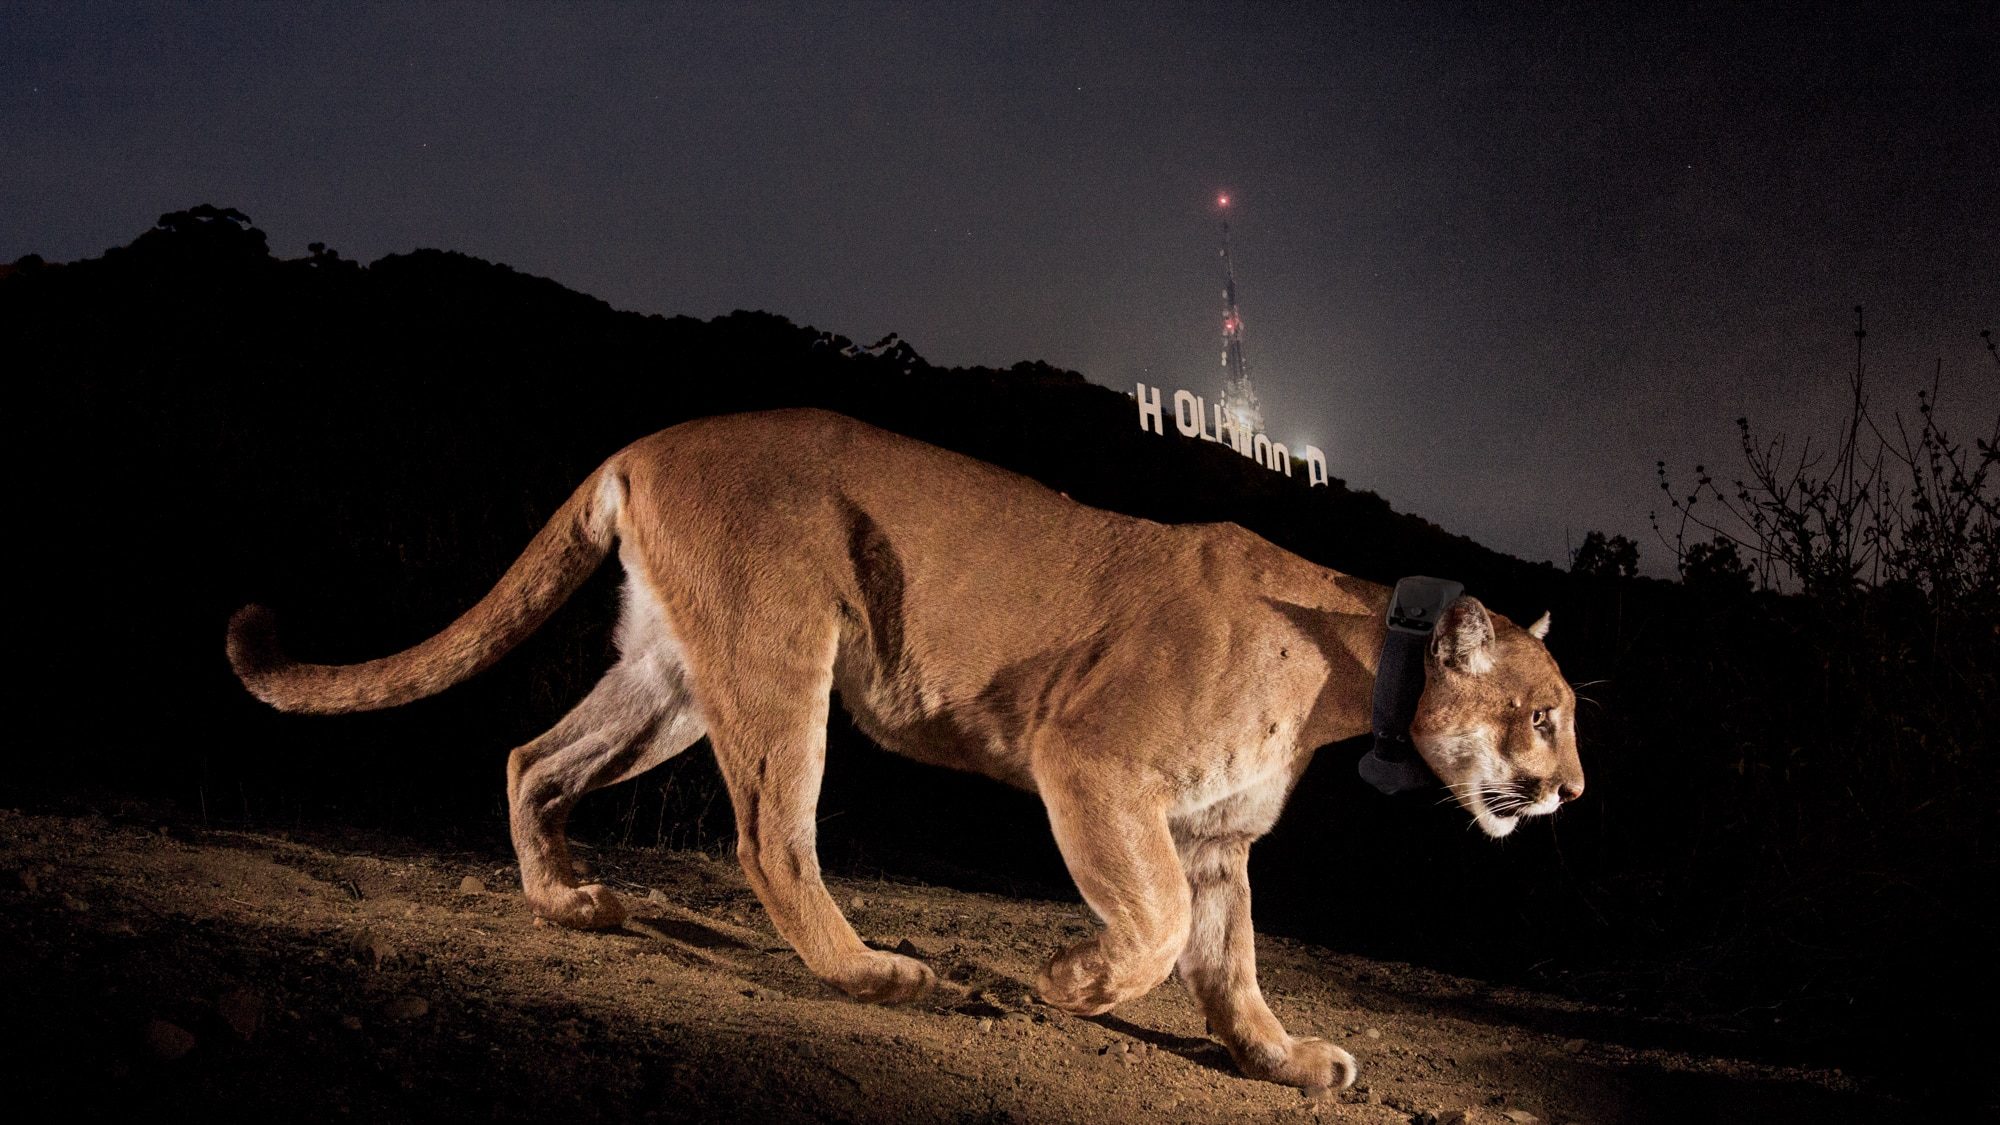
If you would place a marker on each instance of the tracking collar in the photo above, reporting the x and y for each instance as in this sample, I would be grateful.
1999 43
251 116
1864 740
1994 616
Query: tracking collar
1393 765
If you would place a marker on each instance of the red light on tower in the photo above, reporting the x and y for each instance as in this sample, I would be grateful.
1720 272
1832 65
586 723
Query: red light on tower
1222 199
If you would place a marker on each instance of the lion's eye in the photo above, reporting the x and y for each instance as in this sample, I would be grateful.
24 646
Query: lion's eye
1541 717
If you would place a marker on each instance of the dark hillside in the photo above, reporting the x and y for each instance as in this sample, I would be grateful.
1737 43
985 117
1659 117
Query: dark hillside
1790 808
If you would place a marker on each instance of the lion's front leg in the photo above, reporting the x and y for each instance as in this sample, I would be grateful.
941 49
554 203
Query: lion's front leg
1121 854
1220 965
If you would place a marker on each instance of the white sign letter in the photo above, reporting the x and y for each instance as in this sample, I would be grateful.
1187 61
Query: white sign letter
1238 439
1149 412
1281 458
1315 466
1187 414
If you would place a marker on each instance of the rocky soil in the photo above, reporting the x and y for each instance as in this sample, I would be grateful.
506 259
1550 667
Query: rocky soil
168 970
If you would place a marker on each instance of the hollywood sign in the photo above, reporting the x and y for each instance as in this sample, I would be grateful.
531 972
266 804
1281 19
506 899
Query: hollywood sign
1198 419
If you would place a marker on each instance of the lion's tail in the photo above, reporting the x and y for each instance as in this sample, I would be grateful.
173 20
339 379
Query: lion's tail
566 552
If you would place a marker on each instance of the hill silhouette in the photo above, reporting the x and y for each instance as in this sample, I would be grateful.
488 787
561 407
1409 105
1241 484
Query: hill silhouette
1775 799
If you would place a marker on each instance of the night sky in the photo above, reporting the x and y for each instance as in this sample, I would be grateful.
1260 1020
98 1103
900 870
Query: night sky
1495 263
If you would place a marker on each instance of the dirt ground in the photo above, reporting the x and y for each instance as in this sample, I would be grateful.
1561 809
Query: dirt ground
171 970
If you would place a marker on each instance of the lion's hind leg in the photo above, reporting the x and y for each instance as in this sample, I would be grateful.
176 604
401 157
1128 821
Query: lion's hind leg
639 715
769 731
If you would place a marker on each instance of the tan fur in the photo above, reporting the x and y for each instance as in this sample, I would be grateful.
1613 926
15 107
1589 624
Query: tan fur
1161 688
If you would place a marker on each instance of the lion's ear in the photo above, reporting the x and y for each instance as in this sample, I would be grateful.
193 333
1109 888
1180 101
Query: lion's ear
1540 629
1463 639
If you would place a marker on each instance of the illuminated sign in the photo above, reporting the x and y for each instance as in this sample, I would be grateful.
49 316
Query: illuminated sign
1198 419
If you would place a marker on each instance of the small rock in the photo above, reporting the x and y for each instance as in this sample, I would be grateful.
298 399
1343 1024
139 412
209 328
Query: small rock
1575 1046
351 1023
1520 1117
373 948
167 1040
857 903
909 948
1373 1033
242 1010
656 895
406 1008
1455 1117
1019 1017
30 882
986 1025
471 885
75 905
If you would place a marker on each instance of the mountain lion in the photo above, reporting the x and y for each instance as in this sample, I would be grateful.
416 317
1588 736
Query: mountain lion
1161 688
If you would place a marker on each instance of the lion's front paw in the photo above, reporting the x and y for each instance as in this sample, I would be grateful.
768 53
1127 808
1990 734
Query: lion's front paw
595 907
1309 1063
1078 981
882 978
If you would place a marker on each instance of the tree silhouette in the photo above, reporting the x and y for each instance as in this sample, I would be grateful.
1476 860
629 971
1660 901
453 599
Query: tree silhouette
1616 557
1715 567
204 234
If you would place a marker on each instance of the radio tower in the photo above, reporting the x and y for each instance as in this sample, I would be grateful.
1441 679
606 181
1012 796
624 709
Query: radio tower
1239 398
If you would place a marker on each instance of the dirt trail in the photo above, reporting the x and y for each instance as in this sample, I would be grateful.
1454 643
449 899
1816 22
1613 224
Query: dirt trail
253 976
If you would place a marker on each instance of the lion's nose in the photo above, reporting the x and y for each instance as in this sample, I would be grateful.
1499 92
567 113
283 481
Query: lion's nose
1571 790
